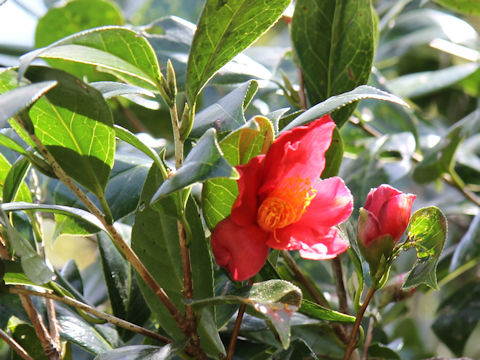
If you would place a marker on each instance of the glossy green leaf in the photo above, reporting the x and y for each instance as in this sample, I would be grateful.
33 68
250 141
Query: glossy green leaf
117 50
469 7
10 183
276 300
96 339
25 336
57 209
110 89
316 311
226 114
333 156
123 291
130 138
71 274
338 101
205 161
75 16
440 159
140 352
12 144
75 124
14 275
381 351
468 248
335 42
155 233
223 31
426 232
458 314
171 38
238 148
14 182
33 265
15 100
423 83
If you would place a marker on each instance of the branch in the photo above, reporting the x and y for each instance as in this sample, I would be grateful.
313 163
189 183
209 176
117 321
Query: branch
356 325
48 345
91 310
129 254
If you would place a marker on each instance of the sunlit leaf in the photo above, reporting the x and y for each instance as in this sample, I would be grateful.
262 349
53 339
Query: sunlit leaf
205 161
426 232
223 31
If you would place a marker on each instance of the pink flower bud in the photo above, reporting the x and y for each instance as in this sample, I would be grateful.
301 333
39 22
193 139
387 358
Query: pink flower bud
386 213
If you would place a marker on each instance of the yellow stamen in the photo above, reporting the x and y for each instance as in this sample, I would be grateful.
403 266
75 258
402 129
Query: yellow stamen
286 204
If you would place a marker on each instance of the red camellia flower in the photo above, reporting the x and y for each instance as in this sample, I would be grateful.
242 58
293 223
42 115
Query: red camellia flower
282 204
386 212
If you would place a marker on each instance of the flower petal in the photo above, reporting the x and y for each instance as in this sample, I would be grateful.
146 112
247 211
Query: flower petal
317 243
240 249
299 152
394 216
368 227
244 210
332 204
379 196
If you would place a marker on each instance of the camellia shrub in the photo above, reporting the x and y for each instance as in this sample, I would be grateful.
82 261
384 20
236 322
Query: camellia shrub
257 179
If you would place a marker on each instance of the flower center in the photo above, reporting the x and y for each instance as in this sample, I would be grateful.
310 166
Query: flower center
286 204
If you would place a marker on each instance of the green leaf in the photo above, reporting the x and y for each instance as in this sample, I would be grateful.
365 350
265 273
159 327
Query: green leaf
239 147
205 161
277 300
110 89
25 336
14 275
114 49
468 248
12 144
333 156
141 352
7 181
130 138
171 38
155 233
14 187
336 102
316 311
427 82
75 16
469 7
426 232
57 209
33 265
381 351
335 42
123 291
224 30
14 101
440 159
226 114
457 317
75 124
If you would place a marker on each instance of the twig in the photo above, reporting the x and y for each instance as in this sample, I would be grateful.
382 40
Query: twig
42 333
316 295
53 323
129 254
87 308
14 345
368 339
356 325
236 329
341 292
4 253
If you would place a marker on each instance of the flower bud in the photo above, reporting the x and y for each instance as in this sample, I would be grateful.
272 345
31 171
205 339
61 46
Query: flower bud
381 223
